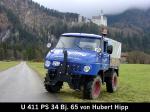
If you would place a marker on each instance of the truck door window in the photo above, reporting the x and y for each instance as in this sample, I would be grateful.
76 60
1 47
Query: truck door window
89 44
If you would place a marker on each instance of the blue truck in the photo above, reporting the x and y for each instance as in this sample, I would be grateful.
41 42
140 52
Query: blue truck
85 62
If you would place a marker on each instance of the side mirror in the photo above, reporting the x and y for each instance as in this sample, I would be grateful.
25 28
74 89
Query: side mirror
109 49
49 45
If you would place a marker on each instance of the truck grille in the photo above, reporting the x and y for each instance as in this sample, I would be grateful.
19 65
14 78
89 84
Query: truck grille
71 67
74 67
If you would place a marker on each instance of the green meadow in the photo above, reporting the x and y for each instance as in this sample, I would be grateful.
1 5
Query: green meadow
134 85
7 64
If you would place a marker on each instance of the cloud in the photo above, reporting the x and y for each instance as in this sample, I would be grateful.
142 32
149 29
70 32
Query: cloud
93 7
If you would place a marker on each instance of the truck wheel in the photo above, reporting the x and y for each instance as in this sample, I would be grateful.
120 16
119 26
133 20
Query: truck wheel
92 88
53 88
112 83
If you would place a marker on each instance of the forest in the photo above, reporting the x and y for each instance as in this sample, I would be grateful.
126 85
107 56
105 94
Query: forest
24 37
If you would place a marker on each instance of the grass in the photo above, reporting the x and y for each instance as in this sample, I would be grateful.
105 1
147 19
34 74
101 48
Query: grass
38 67
134 85
7 64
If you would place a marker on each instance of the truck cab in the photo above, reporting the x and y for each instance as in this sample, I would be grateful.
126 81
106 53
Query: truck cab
83 61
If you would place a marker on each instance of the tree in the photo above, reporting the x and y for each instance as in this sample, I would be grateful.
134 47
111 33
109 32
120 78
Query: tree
2 54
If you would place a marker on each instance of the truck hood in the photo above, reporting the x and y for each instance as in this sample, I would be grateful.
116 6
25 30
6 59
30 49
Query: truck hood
81 56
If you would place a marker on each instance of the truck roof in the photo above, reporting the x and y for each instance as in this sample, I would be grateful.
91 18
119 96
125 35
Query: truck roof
82 35
87 35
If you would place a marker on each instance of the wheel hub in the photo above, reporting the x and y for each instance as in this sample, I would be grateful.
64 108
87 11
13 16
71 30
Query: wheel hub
96 89
114 81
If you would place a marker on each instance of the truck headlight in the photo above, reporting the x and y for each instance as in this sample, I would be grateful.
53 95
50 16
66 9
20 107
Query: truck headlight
87 68
56 63
47 63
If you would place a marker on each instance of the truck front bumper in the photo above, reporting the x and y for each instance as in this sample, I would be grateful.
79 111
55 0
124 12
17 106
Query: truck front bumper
78 69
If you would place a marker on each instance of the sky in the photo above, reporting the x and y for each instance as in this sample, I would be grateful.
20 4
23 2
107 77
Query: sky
89 8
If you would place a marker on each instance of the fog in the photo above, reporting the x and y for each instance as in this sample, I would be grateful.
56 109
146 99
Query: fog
90 8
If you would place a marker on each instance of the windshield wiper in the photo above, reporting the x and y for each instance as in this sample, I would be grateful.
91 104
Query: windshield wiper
63 44
77 45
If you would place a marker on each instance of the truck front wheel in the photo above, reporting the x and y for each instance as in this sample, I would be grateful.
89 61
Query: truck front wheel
92 88
52 88
112 83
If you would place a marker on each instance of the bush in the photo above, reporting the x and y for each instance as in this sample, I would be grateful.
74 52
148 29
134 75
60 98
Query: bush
138 57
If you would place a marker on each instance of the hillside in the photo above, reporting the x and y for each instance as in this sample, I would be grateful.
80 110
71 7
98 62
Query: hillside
26 27
36 17
132 28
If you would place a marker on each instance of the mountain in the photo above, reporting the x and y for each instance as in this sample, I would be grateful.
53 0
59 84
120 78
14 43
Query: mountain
132 28
35 18
136 17
26 27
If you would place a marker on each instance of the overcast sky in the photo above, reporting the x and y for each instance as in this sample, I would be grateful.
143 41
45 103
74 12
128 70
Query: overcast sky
90 8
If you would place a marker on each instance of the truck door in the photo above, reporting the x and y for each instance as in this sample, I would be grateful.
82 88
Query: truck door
105 56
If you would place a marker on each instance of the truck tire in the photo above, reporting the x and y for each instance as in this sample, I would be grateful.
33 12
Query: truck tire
92 88
53 88
112 83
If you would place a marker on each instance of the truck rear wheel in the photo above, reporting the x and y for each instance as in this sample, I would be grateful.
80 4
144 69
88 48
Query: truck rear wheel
112 83
92 88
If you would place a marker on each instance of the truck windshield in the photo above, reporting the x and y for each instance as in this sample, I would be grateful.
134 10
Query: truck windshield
78 43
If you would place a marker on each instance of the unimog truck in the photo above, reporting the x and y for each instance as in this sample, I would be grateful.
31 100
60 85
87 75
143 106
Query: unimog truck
85 62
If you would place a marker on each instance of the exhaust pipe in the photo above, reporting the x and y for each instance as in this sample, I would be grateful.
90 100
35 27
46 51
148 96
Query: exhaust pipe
62 70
